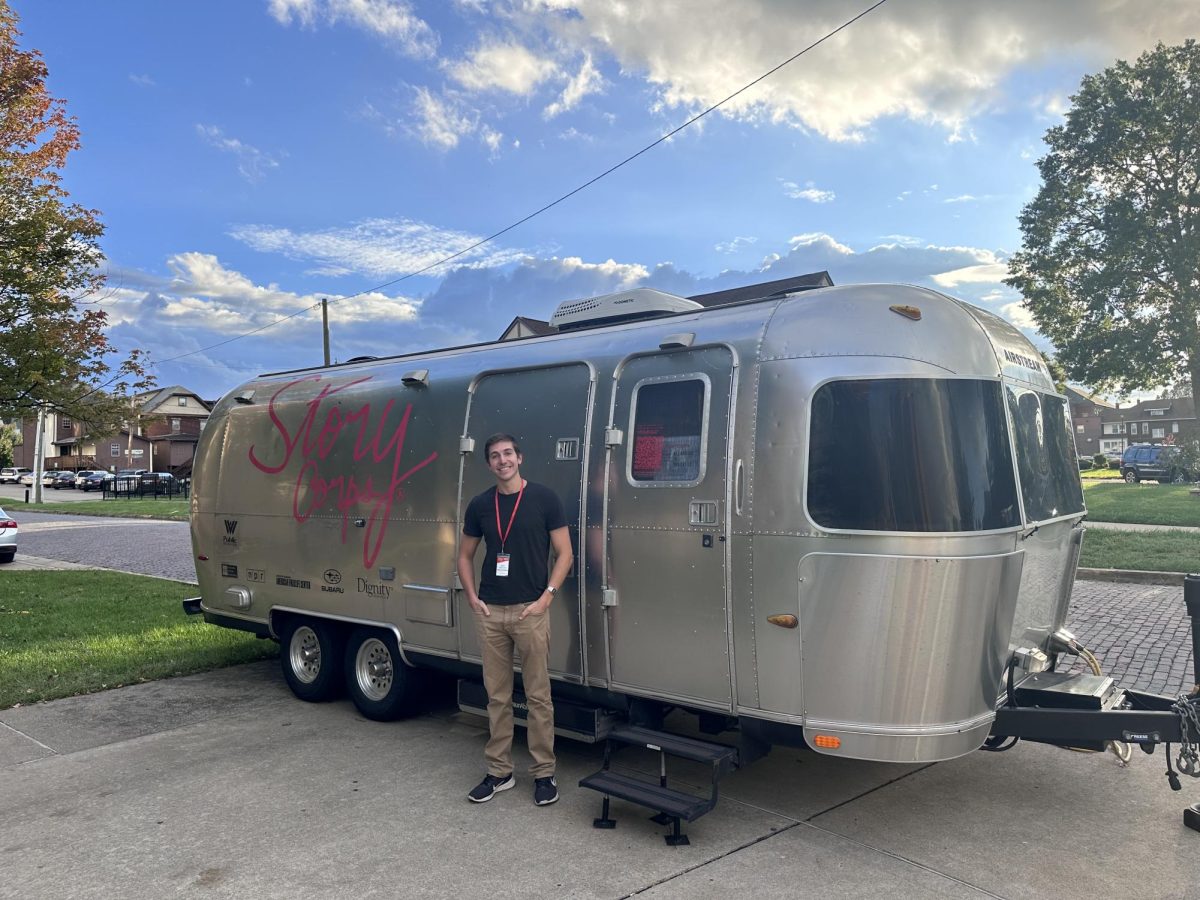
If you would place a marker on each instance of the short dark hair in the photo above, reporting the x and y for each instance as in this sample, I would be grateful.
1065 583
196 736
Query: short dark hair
497 438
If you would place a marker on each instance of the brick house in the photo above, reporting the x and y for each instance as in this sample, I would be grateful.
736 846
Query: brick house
1087 413
163 439
1162 421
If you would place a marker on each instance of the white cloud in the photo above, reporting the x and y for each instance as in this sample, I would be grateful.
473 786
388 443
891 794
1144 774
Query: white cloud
735 245
985 273
252 163
492 139
507 67
142 80
1019 316
441 122
392 20
809 192
961 198
379 248
586 81
924 60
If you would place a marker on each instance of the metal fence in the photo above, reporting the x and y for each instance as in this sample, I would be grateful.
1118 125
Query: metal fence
142 486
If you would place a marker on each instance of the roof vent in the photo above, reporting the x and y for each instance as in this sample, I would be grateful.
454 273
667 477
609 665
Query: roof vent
624 306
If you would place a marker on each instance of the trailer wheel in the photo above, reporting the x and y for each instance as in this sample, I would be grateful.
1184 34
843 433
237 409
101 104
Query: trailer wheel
380 684
310 658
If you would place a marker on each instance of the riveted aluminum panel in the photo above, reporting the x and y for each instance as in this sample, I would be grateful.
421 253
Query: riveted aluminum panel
1051 554
902 656
539 407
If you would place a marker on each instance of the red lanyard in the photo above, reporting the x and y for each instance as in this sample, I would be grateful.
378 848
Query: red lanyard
504 534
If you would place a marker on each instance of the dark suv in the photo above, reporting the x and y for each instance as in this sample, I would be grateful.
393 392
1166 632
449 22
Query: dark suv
1152 461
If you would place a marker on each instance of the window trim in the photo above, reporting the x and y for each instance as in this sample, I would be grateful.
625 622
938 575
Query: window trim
704 422
808 430
1012 439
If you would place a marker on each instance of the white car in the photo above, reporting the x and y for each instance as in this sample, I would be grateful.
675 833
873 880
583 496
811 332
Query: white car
8 537
12 474
81 477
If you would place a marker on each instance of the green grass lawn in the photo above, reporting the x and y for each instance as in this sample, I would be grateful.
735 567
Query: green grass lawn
175 509
1154 551
1100 475
67 633
1144 504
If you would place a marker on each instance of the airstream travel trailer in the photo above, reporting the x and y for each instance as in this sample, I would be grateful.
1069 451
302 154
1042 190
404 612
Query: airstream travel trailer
845 518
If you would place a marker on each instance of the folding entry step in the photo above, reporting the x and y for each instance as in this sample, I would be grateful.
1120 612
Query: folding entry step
671 805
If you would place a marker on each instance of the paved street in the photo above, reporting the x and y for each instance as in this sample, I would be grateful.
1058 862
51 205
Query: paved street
143 546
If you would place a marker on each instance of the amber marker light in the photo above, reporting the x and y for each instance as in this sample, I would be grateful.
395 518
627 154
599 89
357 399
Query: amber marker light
784 621
827 742
909 312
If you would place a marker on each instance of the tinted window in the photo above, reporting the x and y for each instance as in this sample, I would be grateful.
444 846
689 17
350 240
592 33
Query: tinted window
907 454
667 432
1046 463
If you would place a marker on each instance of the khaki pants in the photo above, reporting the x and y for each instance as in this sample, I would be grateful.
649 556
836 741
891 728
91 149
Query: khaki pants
499 633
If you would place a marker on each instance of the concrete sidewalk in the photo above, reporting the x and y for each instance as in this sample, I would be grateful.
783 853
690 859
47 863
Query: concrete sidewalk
224 785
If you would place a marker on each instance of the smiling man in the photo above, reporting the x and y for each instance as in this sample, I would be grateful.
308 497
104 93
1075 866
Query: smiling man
520 521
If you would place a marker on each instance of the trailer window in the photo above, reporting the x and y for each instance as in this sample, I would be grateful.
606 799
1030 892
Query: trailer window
911 454
1046 463
668 432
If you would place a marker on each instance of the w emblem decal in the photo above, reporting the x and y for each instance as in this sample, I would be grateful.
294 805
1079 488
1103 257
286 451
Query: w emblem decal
230 529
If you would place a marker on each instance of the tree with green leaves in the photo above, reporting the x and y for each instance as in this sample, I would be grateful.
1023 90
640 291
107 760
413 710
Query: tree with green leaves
1110 259
54 353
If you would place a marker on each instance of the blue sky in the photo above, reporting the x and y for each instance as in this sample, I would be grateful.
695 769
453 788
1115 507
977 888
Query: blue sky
249 157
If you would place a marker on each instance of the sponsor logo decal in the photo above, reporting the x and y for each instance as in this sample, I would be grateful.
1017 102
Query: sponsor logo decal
289 581
231 531
228 570
365 435
258 575
333 580
374 589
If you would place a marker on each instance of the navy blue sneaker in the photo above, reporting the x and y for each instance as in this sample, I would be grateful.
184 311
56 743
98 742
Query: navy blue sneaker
491 784
545 791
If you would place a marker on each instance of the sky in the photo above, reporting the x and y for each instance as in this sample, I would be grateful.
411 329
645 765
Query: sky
250 157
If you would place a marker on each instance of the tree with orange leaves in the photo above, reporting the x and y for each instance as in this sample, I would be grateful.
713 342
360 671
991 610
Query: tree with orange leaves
54 353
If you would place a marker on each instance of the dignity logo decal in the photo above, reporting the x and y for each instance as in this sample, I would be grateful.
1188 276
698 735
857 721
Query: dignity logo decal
349 491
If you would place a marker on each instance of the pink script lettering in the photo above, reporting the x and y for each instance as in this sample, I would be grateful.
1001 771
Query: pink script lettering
313 443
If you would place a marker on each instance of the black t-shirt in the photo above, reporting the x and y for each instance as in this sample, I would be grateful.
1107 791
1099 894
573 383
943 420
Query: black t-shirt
528 543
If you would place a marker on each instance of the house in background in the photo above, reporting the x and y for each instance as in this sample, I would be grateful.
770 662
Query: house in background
1162 421
1103 427
1087 412
162 439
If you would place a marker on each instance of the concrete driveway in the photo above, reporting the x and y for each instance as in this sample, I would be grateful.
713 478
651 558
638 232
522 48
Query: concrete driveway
224 785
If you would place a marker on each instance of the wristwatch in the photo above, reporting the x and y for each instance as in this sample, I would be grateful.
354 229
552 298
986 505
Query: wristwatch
551 590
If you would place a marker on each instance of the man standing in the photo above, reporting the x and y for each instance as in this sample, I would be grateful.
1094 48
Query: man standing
520 521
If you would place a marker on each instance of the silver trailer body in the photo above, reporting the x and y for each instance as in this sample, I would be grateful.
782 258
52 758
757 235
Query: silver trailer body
838 512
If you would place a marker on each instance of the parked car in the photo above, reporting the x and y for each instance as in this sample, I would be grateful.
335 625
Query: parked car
8 537
62 480
1153 461
48 478
26 477
91 481
84 474
12 474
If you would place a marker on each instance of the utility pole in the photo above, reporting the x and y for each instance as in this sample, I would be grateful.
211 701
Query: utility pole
39 452
325 327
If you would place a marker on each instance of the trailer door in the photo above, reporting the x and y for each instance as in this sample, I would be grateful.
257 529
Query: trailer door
547 411
667 555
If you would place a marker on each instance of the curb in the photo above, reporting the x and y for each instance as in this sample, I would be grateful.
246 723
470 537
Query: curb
1130 576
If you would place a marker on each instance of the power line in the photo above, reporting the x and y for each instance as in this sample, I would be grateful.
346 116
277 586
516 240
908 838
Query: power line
491 237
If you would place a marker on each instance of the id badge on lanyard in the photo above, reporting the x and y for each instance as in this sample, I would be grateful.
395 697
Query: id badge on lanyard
502 558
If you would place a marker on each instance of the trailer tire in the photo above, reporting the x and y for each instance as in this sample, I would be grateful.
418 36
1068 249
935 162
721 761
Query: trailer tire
377 679
311 659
